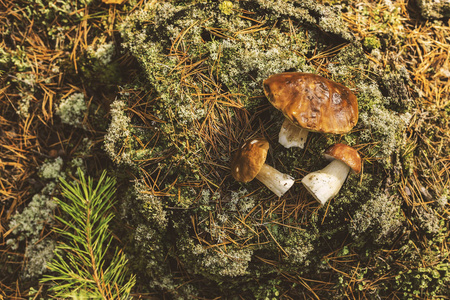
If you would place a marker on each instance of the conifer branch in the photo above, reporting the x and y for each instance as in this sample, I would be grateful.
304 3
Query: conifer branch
79 265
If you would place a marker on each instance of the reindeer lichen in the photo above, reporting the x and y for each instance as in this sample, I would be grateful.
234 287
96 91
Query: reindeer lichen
72 110
378 220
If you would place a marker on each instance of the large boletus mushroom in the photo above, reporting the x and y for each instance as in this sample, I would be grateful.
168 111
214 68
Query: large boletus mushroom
326 183
249 162
310 103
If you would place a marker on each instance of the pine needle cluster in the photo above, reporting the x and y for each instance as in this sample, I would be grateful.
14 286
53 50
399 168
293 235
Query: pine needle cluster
80 268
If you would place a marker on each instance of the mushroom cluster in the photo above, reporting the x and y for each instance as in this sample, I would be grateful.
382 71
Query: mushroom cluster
309 102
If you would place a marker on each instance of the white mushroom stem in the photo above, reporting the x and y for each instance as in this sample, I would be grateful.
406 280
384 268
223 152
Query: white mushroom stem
277 182
326 183
291 135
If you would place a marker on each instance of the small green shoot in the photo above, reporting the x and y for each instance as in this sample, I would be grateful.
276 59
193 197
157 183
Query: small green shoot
80 265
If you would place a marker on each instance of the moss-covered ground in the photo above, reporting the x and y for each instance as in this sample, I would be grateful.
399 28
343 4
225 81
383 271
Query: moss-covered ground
162 93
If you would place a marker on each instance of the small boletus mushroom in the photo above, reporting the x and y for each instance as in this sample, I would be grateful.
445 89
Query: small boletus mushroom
310 102
249 162
326 183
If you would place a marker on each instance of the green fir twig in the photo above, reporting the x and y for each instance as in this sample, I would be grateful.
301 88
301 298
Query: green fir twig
80 269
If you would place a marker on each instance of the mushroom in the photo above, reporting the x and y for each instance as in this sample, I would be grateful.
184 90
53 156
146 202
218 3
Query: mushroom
249 162
310 102
326 183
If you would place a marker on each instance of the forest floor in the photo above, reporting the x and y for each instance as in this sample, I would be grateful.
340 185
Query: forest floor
46 52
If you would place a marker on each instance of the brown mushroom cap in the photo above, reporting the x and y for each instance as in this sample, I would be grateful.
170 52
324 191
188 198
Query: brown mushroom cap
346 154
249 159
313 102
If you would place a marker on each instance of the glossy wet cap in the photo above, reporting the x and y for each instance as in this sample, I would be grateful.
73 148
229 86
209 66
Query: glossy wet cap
346 154
249 159
313 102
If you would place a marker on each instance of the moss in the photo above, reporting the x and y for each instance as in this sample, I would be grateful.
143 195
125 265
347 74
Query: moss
17 57
5 59
372 43
379 220
385 128
226 7
204 70
217 262
425 277
397 87
332 223
434 9
298 244
428 221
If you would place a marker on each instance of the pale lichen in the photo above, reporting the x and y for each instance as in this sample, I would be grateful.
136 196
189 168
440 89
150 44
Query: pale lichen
72 110
434 9
38 255
118 133
31 221
103 52
52 169
379 219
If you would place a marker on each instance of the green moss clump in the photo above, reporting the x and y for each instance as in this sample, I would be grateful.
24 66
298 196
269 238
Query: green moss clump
226 7
429 272
371 43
